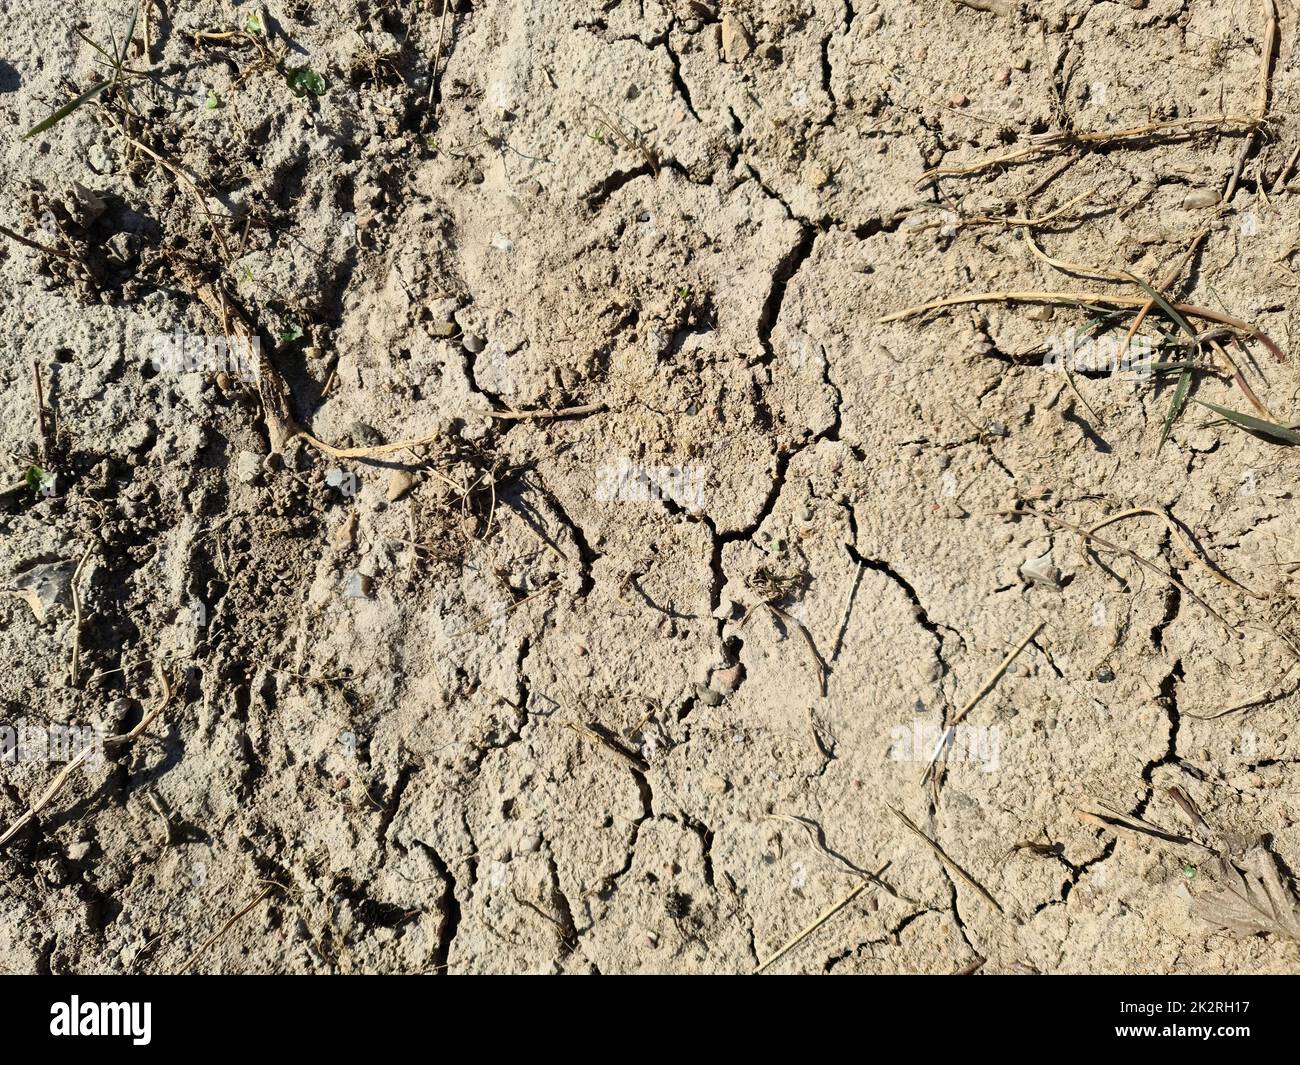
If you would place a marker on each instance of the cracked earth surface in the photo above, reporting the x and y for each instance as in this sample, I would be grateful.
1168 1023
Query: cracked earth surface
561 723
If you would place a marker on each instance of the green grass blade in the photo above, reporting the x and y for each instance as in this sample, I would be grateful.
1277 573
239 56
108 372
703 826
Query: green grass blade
1165 306
1252 424
130 33
1185 382
67 109
98 48
1176 405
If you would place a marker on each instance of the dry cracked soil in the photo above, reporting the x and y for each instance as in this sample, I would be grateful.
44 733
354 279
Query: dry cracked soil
628 573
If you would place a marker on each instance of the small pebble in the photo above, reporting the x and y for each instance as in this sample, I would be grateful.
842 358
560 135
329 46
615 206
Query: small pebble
358 586
708 696
736 41
248 467
399 483
346 533
727 680
1041 571
1201 198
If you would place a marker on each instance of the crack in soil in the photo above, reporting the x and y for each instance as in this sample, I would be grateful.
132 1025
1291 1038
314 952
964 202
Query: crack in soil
448 906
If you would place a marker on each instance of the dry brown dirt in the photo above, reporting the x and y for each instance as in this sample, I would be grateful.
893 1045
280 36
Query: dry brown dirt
648 686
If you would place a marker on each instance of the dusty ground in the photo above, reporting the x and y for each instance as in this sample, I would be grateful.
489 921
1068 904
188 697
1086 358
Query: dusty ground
543 695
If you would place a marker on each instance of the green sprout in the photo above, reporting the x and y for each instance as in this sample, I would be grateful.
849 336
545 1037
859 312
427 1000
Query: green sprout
304 80
213 101
114 60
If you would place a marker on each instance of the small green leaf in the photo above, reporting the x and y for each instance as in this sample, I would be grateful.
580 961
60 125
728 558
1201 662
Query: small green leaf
213 102
304 80
40 481
1252 424
289 332
253 24
67 109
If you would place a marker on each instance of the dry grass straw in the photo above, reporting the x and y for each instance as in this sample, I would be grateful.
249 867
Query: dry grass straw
1012 221
1278 691
1173 129
230 923
951 865
1151 567
1210 339
1261 102
989 682
809 929
1053 142
44 249
377 451
1065 266
1084 299
1251 896
1165 283
186 182
545 412
817 839
1181 540
74 669
437 58
792 622
65 774
1108 817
